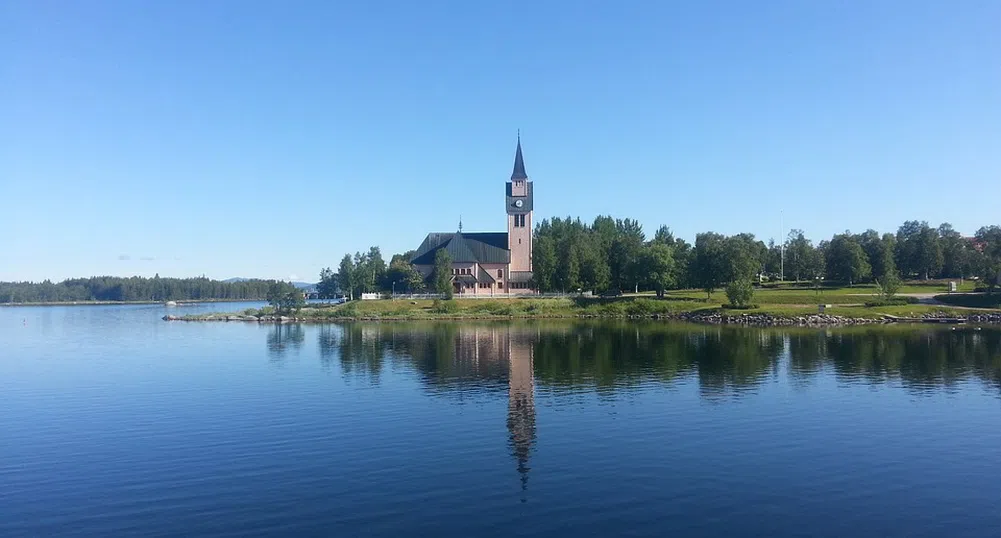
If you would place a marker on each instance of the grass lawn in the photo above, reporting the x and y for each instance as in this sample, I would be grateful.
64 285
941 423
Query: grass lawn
777 302
782 300
910 286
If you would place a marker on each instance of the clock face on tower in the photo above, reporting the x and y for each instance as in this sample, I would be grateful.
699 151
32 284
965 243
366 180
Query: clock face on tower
518 203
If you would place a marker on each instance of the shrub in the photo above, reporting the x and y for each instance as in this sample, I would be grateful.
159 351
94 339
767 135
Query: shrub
740 307
970 300
609 309
889 286
496 308
740 292
892 301
444 307
639 307
349 310
647 307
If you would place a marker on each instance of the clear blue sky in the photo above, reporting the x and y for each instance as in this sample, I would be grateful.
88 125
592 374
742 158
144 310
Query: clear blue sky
234 138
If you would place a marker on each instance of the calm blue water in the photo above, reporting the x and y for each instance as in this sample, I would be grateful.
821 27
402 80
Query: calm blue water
117 423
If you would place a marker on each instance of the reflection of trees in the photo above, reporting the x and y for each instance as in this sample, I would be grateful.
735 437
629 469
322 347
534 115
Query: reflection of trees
460 359
807 353
282 337
327 339
922 358
362 348
735 359
619 355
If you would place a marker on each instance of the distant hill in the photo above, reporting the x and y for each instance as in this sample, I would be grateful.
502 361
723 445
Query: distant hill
300 285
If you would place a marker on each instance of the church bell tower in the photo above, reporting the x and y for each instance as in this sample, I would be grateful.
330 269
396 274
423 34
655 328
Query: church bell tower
519 215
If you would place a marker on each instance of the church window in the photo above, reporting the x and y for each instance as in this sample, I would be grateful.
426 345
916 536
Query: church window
500 273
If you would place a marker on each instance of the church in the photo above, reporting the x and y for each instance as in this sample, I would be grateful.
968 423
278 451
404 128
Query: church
490 263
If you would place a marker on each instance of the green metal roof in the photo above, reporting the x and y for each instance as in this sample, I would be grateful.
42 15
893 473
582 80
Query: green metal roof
484 276
464 248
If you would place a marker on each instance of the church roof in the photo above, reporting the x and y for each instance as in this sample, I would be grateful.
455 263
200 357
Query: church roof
484 276
519 163
519 276
483 247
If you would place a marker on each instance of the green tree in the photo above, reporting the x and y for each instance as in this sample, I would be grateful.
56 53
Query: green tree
594 272
743 257
684 259
624 254
953 251
918 251
656 263
543 258
326 288
800 259
989 241
664 236
773 260
888 285
930 253
362 280
710 267
442 273
879 253
740 292
402 276
377 267
846 261
345 276
285 298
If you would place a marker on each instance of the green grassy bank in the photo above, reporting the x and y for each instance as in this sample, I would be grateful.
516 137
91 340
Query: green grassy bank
778 302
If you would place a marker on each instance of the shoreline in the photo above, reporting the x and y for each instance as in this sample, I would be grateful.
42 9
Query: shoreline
703 318
105 303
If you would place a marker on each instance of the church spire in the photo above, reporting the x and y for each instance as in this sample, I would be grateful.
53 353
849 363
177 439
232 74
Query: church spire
519 162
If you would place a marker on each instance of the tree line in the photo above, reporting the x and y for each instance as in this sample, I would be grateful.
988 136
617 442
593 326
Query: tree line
570 255
368 273
615 254
136 288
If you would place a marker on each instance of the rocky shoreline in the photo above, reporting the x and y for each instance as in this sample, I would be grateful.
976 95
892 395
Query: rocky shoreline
713 318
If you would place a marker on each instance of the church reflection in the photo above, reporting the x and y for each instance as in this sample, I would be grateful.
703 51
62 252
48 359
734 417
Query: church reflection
483 348
464 361
521 402
453 360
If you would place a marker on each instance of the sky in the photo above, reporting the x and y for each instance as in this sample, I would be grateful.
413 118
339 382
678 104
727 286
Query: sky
267 139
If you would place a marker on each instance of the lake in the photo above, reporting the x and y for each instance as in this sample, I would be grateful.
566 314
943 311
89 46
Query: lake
115 422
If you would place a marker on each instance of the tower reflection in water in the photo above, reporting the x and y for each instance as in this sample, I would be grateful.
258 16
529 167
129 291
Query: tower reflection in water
449 358
479 352
521 402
